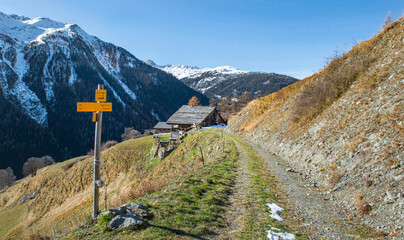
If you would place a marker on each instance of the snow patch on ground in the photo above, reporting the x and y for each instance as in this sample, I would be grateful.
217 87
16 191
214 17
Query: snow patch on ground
275 210
280 235
215 126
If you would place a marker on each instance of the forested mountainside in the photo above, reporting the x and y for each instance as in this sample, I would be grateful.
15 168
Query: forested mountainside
342 129
46 67
225 81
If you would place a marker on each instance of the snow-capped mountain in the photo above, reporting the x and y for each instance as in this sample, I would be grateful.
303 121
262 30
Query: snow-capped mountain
224 81
46 67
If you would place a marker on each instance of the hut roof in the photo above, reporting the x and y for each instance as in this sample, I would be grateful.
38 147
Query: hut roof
162 125
190 114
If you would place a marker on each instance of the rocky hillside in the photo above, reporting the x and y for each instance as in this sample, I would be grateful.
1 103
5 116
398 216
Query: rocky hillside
226 81
342 129
46 67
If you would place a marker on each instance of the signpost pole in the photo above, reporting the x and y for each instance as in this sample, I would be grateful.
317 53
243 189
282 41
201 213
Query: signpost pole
97 148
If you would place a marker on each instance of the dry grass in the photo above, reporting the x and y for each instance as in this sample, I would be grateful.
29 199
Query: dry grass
65 189
317 95
295 106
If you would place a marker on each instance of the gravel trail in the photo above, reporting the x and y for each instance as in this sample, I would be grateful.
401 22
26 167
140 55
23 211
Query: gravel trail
318 214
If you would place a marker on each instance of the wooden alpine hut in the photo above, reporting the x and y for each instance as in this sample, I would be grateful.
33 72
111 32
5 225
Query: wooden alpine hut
188 116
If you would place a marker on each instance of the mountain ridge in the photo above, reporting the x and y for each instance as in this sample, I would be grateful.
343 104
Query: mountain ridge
46 67
224 81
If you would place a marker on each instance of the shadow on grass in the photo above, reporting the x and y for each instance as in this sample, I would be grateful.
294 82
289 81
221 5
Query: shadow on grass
178 232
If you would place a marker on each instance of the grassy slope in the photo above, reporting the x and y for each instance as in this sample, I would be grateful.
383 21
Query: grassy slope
65 193
193 203
193 206
65 196
187 198
295 106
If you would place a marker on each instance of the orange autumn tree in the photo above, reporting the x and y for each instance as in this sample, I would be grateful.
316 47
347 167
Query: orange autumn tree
194 101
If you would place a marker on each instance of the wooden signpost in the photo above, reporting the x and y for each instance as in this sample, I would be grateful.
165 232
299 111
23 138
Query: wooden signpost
97 108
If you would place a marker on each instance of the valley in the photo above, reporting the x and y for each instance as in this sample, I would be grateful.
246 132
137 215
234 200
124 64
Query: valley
271 157
47 67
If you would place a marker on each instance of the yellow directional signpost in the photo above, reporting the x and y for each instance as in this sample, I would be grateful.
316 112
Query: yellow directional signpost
94 107
97 108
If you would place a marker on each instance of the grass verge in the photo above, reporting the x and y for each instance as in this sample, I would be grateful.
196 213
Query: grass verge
189 207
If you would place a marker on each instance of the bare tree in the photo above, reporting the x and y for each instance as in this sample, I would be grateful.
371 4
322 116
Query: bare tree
7 178
130 133
33 164
387 21
336 55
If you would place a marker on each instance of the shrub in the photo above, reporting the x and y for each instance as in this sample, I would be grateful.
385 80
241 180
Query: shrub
323 90
33 164
130 133
108 144
7 178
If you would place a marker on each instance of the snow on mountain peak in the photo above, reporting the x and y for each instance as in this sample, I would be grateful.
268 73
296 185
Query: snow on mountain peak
153 64
37 30
187 71
42 22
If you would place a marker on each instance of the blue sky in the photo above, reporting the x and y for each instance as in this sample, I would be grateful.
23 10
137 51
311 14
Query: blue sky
282 36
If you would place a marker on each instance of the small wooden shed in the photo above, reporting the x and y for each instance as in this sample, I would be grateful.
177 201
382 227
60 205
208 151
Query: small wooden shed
188 116
162 127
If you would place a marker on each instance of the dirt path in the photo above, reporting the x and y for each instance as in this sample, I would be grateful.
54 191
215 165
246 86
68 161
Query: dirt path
317 214
236 199
242 182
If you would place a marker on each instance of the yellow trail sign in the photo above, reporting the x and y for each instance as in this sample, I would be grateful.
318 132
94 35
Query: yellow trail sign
100 95
94 107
